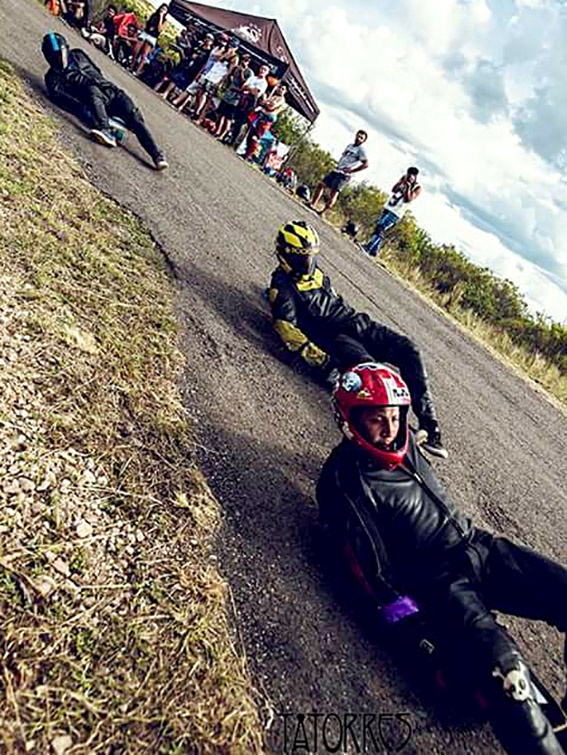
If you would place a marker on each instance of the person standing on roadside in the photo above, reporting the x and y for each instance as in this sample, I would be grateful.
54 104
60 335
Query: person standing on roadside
222 65
270 109
352 160
184 77
231 97
149 37
405 191
254 88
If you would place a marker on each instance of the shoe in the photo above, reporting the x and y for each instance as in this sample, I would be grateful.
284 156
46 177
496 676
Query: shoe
103 136
161 163
117 129
364 249
430 441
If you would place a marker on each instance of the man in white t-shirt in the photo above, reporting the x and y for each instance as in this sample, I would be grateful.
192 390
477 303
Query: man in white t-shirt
405 191
352 160
257 85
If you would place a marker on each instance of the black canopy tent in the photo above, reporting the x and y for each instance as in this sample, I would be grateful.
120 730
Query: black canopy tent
262 35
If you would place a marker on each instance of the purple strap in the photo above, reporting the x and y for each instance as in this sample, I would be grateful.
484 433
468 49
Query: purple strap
399 609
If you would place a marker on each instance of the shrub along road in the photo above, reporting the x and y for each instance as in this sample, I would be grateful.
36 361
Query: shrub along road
265 430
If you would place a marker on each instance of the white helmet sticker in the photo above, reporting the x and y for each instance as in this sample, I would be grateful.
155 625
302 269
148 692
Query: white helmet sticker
396 391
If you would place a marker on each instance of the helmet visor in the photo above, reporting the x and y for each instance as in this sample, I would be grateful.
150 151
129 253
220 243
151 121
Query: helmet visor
304 264
55 50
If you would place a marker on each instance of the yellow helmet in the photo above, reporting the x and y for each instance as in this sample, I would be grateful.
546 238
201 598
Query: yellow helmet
297 243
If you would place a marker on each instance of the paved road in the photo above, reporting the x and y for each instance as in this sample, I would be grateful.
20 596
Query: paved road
267 429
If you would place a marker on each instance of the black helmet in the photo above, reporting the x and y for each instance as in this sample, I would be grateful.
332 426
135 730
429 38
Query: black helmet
297 243
351 228
55 50
413 171
303 192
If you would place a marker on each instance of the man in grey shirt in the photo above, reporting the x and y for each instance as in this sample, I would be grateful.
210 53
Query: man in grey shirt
352 161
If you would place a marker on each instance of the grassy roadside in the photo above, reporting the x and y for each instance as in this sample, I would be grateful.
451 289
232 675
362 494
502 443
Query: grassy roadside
531 366
114 635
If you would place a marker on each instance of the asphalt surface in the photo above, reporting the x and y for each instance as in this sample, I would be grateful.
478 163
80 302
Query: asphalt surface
265 430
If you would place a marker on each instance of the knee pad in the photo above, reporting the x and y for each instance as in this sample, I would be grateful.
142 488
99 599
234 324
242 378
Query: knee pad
514 676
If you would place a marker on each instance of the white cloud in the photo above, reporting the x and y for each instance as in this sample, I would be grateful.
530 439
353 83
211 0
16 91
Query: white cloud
443 25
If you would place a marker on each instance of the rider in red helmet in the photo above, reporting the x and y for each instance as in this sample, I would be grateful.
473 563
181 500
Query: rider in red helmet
422 546
371 403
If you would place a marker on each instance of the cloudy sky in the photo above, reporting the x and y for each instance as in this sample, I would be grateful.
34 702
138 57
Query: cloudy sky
473 92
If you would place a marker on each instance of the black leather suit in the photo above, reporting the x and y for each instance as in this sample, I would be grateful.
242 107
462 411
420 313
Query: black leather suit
412 540
315 322
82 89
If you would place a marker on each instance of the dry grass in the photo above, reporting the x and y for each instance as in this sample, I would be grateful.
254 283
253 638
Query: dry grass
114 636
531 366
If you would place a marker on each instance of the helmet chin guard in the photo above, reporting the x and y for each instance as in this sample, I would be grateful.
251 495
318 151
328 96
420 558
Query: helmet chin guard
368 386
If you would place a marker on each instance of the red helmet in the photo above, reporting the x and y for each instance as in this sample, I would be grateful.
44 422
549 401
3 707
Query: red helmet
369 385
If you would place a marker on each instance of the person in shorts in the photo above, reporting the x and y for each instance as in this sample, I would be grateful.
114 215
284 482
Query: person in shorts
184 76
353 160
254 88
101 35
270 109
231 97
126 38
149 37
208 83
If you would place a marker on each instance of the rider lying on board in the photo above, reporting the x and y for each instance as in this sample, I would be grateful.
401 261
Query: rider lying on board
377 481
77 85
317 324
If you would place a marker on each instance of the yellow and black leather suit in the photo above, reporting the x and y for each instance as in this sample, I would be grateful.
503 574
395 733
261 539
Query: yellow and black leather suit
308 313
316 323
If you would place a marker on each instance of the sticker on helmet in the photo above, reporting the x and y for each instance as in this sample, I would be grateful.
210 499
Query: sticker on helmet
396 390
351 382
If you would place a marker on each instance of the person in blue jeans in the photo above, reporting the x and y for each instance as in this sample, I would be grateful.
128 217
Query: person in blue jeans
405 191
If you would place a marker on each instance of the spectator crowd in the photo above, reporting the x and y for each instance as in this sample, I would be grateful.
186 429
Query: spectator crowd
226 87
209 75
